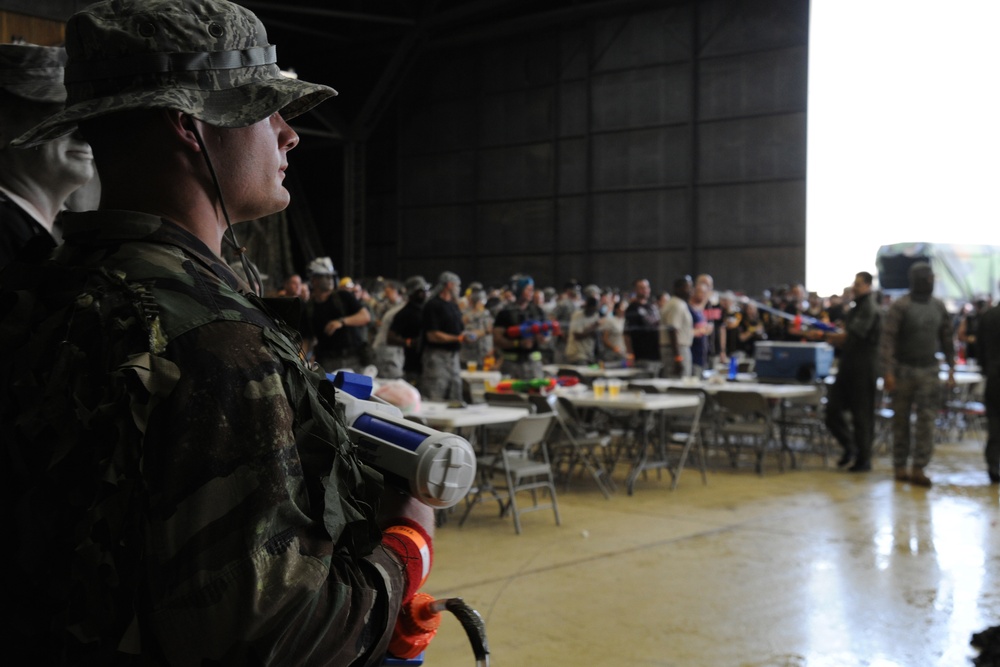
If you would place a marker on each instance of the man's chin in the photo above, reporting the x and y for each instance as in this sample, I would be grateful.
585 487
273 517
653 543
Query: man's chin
276 206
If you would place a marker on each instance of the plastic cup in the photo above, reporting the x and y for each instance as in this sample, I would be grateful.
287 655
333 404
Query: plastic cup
614 388
471 366
599 386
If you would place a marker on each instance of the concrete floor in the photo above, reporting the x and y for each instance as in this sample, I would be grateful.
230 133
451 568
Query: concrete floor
811 567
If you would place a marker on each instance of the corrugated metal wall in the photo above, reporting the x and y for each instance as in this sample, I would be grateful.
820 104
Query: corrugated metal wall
653 144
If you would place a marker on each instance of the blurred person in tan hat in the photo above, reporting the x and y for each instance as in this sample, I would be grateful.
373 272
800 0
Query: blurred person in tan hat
184 492
35 182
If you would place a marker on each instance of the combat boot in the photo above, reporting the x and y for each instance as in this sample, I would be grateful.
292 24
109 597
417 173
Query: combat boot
901 475
918 477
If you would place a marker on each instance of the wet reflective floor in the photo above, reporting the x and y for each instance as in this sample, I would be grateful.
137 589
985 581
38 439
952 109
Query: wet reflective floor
810 567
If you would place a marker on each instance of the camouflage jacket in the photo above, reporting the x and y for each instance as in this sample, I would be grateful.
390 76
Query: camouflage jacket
183 491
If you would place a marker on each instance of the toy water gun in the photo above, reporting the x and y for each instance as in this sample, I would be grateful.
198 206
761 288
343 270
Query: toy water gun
533 385
798 319
418 623
533 329
435 467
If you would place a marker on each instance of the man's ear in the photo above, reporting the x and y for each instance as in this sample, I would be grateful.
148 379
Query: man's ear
183 127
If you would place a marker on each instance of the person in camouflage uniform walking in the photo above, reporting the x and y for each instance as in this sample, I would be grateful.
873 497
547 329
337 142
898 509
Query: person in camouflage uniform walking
183 487
917 327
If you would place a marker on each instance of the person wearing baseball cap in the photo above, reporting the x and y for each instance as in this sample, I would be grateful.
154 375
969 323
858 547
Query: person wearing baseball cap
522 358
34 183
185 494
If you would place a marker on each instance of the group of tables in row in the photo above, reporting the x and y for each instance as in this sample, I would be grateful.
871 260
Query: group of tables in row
644 397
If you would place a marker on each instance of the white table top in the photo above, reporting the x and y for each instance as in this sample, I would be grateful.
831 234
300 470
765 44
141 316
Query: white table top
630 400
768 389
439 415
590 372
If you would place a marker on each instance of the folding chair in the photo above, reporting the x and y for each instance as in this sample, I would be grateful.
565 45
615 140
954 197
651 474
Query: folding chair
804 418
746 417
576 446
523 464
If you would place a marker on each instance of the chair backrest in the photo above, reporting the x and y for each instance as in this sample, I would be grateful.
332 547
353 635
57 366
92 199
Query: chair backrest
530 430
569 417
743 402
542 404
505 399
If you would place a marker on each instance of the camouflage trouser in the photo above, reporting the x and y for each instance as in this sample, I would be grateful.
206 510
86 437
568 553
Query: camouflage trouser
440 378
917 387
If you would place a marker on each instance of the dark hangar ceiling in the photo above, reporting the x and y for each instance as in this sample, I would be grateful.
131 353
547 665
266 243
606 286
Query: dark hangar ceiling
365 48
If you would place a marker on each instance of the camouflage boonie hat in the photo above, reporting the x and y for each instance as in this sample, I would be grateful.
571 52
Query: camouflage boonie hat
33 72
207 58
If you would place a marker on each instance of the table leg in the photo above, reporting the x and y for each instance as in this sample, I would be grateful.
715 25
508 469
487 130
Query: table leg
641 457
783 430
642 462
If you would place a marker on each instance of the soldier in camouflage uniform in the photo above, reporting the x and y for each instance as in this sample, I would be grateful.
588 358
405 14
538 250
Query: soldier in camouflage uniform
917 327
183 488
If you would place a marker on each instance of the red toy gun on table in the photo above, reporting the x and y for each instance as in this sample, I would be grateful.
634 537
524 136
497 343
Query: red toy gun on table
532 329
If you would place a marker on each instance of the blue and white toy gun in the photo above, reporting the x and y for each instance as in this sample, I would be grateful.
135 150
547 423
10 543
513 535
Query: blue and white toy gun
435 467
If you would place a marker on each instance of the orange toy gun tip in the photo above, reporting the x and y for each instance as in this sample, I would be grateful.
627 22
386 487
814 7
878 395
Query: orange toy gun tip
416 626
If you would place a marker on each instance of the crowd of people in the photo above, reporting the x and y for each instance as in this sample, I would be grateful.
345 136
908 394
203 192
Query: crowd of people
688 330
426 335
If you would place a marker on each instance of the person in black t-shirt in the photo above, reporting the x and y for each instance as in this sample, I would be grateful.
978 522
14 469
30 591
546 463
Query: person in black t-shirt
642 328
407 328
443 337
521 357
334 321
